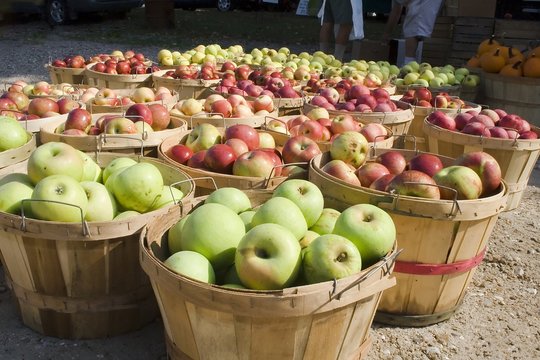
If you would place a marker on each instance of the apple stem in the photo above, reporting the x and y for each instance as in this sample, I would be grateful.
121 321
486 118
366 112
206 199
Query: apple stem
261 253
341 257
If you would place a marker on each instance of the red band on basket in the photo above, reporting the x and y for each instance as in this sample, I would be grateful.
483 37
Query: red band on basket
438 269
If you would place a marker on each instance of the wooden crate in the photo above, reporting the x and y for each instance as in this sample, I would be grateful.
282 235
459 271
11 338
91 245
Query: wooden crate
436 49
521 34
249 324
468 33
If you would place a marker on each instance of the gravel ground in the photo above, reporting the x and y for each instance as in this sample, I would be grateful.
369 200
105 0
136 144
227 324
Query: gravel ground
499 318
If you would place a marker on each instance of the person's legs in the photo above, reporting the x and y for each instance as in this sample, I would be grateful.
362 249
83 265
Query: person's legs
326 37
342 39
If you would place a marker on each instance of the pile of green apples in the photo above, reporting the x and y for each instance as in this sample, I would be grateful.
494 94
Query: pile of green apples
200 54
423 74
64 183
291 239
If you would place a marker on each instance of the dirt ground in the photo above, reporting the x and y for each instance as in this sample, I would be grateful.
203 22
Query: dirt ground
499 318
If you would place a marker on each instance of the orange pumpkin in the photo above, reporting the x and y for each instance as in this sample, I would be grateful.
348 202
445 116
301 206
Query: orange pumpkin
512 69
492 61
531 66
514 55
487 45
474 61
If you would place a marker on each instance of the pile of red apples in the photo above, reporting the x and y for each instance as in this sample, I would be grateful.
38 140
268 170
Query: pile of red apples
138 118
318 125
423 97
186 72
232 106
359 98
17 105
113 65
471 176
243 80
489 123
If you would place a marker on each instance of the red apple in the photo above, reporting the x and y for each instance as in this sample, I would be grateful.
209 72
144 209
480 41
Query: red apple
220 158
40 106
369 172
239 146
222 107
374 132
394 161
161 117
381 183
476 128
311 129
78 119
197 160
342 123
498 132
299 148
341 170
139 112
427 163
256 163
414 183
487 168
529 135
245 133
462 119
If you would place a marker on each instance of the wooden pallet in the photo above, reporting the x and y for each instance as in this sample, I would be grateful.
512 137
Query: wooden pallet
521 34
467 35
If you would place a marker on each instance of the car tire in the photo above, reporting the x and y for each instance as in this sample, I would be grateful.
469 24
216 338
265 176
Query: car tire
224 5
57 12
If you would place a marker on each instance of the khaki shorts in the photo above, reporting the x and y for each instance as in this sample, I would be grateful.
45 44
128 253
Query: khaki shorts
338 12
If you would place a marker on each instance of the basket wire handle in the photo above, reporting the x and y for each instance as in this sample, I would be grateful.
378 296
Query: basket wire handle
272 172
84 224
387 262
455 204
144 134
207 115
190 180
266 117
102 140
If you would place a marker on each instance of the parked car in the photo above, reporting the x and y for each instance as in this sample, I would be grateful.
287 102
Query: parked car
226 5
59 12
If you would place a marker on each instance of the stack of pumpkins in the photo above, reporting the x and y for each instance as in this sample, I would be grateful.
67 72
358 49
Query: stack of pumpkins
493 57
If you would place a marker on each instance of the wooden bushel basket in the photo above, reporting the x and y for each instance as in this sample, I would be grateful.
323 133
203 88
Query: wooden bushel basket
329 320
207 181
516 158
123 143
81 280
114 81
398 121
61 75
417 125
14 156
442 240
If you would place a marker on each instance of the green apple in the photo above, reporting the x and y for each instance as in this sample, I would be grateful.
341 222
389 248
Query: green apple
442 76
137 187
233 198
126 215
101 203
325 223
59 188
436 82
306 195
19 177
415 65
464 180
406 69
169 196
308 238
410 78
350 147
246 217
424 66
13 135
164 53
202 137
461 71
421 82
55 158
213 230
470 80
370 228
192 265
268 257
174 235
91 171
282 211
330 257
427 75
231 277
12 194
